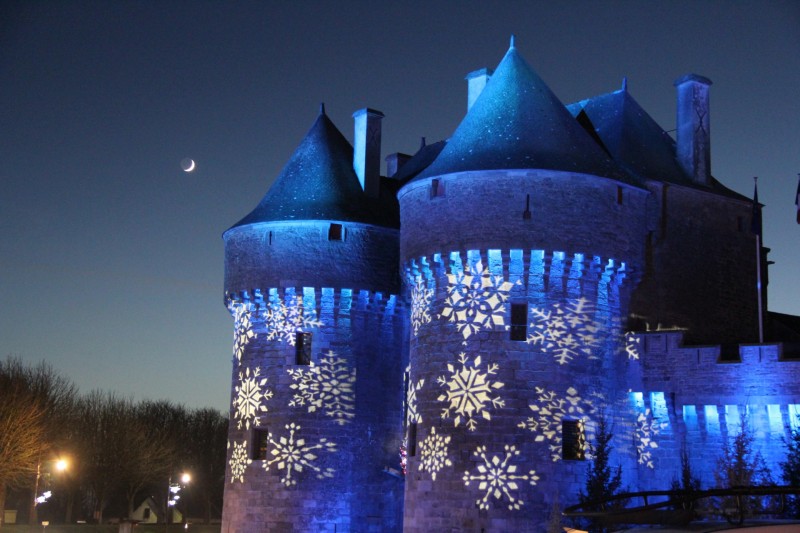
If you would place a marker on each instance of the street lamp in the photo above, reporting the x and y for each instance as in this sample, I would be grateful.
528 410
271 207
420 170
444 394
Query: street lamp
61 465
173 493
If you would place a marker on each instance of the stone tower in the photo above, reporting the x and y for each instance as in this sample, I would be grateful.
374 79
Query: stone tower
520 244
311 281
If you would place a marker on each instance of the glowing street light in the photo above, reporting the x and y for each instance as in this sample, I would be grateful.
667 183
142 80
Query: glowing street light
173 493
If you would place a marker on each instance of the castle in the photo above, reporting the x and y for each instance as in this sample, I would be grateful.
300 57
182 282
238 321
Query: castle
484 305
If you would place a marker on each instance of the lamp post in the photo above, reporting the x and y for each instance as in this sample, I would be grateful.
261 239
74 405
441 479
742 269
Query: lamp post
61 465
173 494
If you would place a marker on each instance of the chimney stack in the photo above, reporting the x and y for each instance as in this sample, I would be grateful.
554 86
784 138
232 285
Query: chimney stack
367 150
693 148
476 81
394 162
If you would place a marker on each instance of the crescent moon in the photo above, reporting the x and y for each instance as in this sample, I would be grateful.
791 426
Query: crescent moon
188 165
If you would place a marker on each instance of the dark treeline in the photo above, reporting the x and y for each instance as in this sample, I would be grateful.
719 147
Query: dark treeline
118 452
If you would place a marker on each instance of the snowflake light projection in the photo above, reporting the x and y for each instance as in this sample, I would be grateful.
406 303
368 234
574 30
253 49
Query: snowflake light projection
433 453
250 395
633 345
643 436
497 478
283 321
421 305
294 455
326 387
476 300
412 415
550 411
239 461
242 328
566 330
468 391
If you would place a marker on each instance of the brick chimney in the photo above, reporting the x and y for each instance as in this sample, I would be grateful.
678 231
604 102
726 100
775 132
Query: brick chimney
367 150
476 81
693 149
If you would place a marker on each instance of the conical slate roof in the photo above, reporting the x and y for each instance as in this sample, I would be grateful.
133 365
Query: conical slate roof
319 183
518 123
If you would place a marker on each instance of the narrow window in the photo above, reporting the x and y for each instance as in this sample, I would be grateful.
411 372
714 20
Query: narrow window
572 440
258 448
302 347
740 224
619 195
437 188
335 232
412 439
270 238
519 322
526 215
146 513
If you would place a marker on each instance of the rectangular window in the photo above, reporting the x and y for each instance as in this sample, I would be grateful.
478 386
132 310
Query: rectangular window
572 440
335 232
146 513
519 322
302 347
437 188
260 440
619 195
412 439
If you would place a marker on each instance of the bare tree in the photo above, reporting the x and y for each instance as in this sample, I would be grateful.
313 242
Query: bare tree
206 451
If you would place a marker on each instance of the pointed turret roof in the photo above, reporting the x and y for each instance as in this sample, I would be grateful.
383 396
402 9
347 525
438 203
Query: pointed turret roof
319 183
518 123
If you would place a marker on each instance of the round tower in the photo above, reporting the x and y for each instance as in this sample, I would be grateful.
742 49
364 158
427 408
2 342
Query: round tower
311 281
520 243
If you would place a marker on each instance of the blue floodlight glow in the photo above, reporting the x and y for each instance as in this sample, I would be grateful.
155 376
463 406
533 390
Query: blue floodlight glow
690 416
712 419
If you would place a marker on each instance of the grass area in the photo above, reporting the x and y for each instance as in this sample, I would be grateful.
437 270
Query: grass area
108 528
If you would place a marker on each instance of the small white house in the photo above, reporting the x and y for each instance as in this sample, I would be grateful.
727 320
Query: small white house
149 512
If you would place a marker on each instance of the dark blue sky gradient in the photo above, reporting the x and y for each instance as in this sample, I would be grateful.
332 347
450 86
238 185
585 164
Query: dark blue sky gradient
111 260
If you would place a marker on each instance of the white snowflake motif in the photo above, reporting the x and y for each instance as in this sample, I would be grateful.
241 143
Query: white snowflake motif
412 415
242 328
550 411
239 461
468 391
497 478
250 395
421 304
633 344
293 455
643 436
327 387
565 331
476 300
433 453
283 322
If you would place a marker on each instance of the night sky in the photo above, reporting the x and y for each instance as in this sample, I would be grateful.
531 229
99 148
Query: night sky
111 257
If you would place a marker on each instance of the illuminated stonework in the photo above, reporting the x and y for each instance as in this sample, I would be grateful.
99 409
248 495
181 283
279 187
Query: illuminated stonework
283 322
412 414
433 453
476 300
239 461
250 395
242 329
633 345
549 412
326 387
565 331
646 430
497 478
421 305
294 455
468 391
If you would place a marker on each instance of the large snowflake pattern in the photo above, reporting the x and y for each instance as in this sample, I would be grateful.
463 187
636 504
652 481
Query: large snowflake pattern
239 461
433 453
549 412
565 331
633 345
421 305
250 396
497 478
644 437
292 454
327 387
283 321
242 328
476 300
469 391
